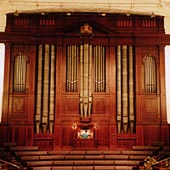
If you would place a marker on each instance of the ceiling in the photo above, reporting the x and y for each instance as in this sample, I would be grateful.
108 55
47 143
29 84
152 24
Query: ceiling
141 7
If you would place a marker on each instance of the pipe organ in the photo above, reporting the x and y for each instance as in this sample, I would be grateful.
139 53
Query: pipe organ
86 72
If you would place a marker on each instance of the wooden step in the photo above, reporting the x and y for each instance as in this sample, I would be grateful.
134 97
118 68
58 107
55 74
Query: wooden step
84 168
116 157
58 152
137 152
24 148
30 153
39 163
145 148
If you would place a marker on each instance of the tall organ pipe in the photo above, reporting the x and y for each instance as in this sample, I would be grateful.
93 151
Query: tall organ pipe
45 89
131 89
81 80
39 89
124 89
119 93
85 79
90 80
52 88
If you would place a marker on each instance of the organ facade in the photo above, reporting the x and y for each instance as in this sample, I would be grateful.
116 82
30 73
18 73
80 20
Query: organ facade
65 75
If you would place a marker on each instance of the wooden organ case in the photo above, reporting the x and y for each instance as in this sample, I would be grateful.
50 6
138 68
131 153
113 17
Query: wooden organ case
84 70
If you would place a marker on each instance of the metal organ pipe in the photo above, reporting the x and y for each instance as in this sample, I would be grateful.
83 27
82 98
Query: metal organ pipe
90 80
85 79
150 74
131 89
45 88
119 93
45 98
20 65
39 89
81 80
52 89
72 68
124 89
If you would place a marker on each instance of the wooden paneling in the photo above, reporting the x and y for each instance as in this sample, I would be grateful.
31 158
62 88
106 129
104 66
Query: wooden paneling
99 105
126 141
150 109
70 104
43 141
151 133
3 134
16 133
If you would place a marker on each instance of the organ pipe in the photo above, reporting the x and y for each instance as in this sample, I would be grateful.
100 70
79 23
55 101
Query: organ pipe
90 80
103 69
45 98
68 68
99 62
124 89
45 88
72 68
19 84
150 74
39 89
85 79
52 88
99 67
131 90
119 93
95 63
81 80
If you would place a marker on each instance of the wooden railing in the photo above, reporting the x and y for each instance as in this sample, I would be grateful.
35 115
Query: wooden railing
163 164
4 165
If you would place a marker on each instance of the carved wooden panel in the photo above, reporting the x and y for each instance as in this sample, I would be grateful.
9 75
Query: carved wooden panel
70 104
16 49
99 105
150 109
18 111
18 105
